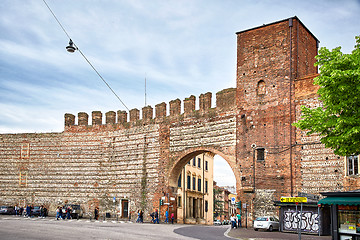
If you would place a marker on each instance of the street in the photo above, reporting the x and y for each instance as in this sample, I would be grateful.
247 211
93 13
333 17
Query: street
14 228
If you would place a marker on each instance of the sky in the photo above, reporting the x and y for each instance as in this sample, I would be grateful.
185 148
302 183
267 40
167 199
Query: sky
181 48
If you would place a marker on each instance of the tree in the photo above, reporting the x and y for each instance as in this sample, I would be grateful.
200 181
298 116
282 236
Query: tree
338 120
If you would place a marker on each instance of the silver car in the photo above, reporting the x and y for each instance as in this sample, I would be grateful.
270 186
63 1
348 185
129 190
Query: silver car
267 223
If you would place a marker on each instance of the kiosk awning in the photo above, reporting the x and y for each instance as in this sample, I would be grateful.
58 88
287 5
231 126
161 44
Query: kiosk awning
340 201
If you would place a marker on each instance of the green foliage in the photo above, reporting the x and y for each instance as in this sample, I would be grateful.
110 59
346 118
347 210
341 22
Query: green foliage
338 121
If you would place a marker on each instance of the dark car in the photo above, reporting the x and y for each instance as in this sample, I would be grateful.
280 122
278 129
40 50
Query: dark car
7 210
76 210
35 211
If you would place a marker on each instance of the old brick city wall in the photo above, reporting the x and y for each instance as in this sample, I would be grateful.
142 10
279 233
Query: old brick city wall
140 159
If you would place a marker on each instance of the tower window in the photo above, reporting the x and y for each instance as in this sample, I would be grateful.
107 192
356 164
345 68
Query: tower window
261 88
260 154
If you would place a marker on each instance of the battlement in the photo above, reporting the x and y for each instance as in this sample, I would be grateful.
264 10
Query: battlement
225 101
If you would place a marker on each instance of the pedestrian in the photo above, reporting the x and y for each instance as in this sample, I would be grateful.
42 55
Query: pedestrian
21 211
16 210
138 218
141 216
28 211
68 212
156 216
58 213
166 216
239 220
172 218
96 213
41 211
152 217
233 221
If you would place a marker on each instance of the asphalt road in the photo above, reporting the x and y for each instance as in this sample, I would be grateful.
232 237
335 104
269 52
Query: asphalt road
16 228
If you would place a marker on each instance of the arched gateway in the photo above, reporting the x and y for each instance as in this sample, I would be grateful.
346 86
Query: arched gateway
123 166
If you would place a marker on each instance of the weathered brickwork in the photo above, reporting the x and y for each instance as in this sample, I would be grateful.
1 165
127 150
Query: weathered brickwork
139 160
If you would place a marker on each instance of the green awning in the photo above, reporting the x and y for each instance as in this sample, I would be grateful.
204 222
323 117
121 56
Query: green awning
340 201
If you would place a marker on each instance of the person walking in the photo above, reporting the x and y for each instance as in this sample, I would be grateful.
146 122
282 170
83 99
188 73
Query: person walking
68 212
172 218
58 213
166 216
96 213
138 218
152 215
156 217
233 221
141 217
239 220
28 211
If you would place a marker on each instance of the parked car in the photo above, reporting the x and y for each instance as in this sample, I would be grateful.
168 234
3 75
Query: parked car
217 222
7 210
267 223
35 211
76 212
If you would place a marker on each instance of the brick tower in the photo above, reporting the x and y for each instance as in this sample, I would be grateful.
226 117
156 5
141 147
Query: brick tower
270 59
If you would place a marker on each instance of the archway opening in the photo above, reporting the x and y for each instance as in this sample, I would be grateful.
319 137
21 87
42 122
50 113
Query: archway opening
224 190
191 181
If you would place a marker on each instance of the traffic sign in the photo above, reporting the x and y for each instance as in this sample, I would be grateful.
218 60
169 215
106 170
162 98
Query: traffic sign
233 200
293 199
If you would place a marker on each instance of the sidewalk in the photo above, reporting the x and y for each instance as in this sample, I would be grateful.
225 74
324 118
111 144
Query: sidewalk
249 234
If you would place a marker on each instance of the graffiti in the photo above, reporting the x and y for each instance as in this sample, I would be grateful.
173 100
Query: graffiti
309 221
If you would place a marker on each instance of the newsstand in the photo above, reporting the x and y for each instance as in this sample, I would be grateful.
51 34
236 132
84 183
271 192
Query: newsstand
345 213
315 218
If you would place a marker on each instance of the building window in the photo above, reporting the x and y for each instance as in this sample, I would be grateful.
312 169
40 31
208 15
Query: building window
206 206
199 184
194 183
179 181
199 162
206 165
206 186
353 165
260 154
179 202
194 161
188 181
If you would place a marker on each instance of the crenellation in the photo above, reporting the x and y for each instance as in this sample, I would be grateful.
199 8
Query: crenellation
110 117
134 115
175 107
96 118
205 102
69 119
83 118
160 111
189 105
147 113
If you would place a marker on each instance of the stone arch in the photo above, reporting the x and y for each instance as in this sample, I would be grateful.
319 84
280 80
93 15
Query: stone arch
181 159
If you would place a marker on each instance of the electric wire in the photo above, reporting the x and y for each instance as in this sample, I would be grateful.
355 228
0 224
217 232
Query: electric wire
83 55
